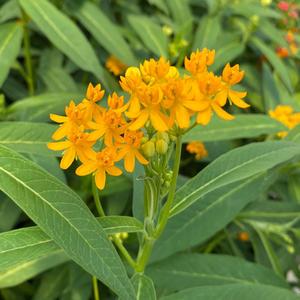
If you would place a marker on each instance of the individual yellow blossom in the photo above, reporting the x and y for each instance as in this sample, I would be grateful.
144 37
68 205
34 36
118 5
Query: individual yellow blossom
76 145
150 99
209 86
116 102
230 77
74 117
199 61
109 124
93 95
285 115
129 150
103 162
156 71
114 65
198 149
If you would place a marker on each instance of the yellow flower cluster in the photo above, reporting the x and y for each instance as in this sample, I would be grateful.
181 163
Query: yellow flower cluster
198 149
160 100
285 114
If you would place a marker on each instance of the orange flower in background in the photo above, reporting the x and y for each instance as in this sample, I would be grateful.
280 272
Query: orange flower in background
130 150
74 117
285 115
114 65
197 148
76 145
103 162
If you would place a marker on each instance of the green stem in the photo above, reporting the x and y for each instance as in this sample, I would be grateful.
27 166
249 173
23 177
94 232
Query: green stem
27 55
115 239
96 289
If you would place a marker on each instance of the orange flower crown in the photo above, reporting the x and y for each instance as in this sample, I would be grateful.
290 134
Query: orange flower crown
160 101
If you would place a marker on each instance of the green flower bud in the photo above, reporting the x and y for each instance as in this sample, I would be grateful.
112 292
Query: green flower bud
164 136
161 146
148 148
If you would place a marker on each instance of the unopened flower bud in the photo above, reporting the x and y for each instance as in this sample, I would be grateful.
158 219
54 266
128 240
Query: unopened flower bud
265 2
148 148
161 146
255 19
124 235
167 30
164 136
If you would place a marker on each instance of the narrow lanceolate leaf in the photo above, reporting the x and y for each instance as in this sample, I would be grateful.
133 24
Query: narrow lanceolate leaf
240 163
27 137
194 225
32 251
64 34
243 126
180 11
144 287
184 271
38 108
24 253
294 135
150 33
9 213
274 60
105 32
62 215
207 32
234 292
10 37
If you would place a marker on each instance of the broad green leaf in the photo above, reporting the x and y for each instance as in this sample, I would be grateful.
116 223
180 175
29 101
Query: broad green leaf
144 287
117 224
269 89
227 53
184 271
138 192
9 213
243 126
240 163
64 34
27 137
294 187
9 10
234 292
274 60
62 215
207 32
180 11
294 135
206 216
272 33
105 32
38 108
150 33
11 38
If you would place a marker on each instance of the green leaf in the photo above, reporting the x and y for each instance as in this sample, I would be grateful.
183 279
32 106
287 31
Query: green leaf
272 33
27 137
274 60
294 135
207 32
118 224
64 34
11 37
234 292
9 213
180 11
235 165
62 215
184 271
150 33
207 216
243 126
144 287
9 10
105 32
38 108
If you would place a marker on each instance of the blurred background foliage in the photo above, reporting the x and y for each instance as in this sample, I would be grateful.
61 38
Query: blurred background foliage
51 50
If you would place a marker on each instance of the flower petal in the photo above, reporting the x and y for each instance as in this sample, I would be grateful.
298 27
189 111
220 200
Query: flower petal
86 168
140 121
141 158
236 99
221 112
157 121
68 158
114 171
56 146
129 162
58 118
204 116
182 117
221 97
100 179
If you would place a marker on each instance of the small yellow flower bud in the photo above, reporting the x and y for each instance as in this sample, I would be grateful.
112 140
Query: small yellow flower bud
254 19
167 30
117 235
124 235
148 148
161 146
183 43
266 2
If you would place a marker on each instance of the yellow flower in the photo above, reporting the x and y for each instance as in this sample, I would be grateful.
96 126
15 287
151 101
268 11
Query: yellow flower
93 95
209 86
114 65
156 71
179 100
74 117
285 115
102 163
116 103
199 61
110 125
130 150
230 77
150 99
76 145
198 149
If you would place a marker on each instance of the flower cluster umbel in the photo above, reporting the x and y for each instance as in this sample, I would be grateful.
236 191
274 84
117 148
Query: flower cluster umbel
159 100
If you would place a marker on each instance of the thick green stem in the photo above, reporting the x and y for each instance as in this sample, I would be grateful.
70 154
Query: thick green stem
96 289
27 55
